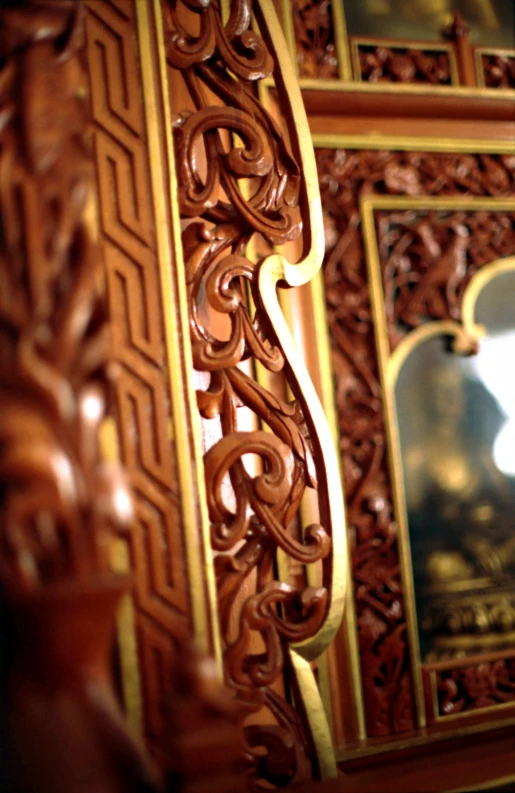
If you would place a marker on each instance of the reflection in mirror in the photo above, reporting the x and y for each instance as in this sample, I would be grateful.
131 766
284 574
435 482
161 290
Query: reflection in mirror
456 421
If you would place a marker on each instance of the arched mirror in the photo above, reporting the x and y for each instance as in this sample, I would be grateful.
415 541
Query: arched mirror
456 421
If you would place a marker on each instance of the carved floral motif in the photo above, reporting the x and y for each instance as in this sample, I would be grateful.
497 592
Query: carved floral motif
314 36
428 259
346 176
476 686
380 64
253 506
498 70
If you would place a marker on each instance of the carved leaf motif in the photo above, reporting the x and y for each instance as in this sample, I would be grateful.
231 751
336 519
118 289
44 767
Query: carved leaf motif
239 181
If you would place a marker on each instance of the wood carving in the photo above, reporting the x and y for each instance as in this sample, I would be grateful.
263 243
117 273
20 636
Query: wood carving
498 70
142 393
475 686
314 36
253 507
344 177
62 728
380 64
429 258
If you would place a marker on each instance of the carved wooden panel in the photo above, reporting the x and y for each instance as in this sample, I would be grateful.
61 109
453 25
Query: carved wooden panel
315 38
233 189
143 399
387 63
428 259
498 69
346 176
468 686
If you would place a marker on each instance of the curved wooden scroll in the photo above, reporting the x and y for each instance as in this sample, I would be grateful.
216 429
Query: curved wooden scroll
255 514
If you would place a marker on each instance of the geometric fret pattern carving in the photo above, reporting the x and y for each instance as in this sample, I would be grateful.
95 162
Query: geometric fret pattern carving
135 305
345 176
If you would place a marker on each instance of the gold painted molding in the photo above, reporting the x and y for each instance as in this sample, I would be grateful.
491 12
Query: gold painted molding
401 143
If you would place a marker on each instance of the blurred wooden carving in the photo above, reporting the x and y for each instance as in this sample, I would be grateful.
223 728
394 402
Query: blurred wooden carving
498 70
62 729
382 64
314 36
345 176
253 507
468 686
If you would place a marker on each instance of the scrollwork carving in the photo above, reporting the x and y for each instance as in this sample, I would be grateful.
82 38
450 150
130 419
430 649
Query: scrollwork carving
346 176
253 506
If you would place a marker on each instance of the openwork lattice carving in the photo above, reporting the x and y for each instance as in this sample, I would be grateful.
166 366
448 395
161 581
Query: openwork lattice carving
253 505
345 176
60 504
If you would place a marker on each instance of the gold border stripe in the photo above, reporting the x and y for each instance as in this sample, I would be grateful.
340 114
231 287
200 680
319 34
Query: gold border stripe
394 143
190 471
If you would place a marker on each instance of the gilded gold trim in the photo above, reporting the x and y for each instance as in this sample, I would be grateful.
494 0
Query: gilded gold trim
417 89
341 41
316 715
393 450
401 143
478 58
289 32
190 469
323 348
276 268
426 46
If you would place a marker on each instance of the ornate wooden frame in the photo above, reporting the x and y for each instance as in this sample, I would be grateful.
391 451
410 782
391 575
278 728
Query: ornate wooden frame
350 655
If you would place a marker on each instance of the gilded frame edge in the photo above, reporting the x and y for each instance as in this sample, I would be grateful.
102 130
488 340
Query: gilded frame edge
399 44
